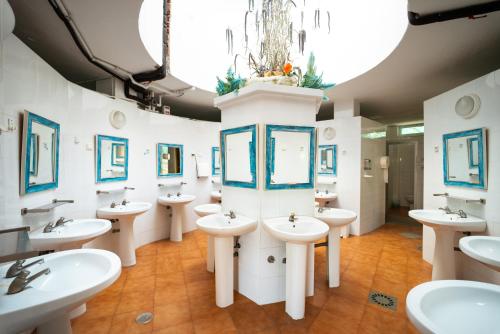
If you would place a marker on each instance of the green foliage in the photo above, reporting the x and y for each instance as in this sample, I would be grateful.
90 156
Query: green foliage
232 84
310 79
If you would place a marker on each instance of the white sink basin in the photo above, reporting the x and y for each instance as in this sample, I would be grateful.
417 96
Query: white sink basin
219 225
298 235
174 199
216 195
207 209
223 228
70 235
131 209
177 204
323 197
336 219
484 249
304 230
441 220
445 226
454 307
126 215
75 276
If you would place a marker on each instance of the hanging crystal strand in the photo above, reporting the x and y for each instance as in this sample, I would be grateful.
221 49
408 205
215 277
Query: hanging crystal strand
317 19
302 40
235 58
229 40
257 25
290 32
246 32
329 20
251 5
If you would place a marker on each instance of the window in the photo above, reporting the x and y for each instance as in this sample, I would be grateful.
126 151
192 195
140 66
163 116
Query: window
374 135
413 129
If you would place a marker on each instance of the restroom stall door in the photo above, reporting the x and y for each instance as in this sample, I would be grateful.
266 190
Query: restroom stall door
401 174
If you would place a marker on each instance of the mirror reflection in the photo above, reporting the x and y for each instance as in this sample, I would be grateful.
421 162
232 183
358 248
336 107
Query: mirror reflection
112 158
40 153
327 160
215 161
238 156
289 157
170 160
464 158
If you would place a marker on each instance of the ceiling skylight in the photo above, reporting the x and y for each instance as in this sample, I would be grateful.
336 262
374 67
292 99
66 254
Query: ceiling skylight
363 33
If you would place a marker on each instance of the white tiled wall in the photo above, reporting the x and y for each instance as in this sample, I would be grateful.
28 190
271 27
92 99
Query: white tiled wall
440 118
27 82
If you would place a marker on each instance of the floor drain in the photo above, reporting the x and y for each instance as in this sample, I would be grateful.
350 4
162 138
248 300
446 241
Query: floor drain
383 300
144 318
410 235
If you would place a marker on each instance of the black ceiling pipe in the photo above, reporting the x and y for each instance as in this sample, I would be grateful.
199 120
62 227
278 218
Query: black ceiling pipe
465 12
157 74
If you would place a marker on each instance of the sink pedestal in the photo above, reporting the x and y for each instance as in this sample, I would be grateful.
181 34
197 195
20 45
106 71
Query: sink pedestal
333 262
443 263
176 226
296 266
126 242
223 271
60 325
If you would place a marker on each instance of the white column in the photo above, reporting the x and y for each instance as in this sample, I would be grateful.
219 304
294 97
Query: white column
223 271
333 263
210 254
176 224
126 242
296 258
443 264
59 325
310 270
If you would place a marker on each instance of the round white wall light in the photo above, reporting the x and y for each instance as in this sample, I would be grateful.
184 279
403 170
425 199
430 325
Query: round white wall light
329 133
117 119
468 106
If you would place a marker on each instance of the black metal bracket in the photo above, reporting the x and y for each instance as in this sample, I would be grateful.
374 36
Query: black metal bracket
471 12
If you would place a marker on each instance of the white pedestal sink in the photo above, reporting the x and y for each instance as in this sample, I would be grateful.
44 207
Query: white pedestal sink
177 202
336 219
71 235
324 198
202 211
445 226
216 195
126 215
454 307
223 229
297 235
484 249
75 276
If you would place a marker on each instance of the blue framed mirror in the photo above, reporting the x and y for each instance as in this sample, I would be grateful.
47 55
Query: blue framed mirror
111 158
170 160
465 159
39 154
327 160
215 161
290 157
238 157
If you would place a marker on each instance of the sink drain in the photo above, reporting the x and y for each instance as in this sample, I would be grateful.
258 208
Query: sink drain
383 300
144 318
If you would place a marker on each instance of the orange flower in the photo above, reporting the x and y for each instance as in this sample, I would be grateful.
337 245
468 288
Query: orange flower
287 68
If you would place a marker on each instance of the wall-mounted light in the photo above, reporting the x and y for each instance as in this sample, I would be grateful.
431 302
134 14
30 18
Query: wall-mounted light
468 106
117 119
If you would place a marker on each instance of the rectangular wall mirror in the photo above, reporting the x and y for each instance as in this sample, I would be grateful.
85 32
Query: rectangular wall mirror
327 160
290 157
170 160
238 153
465 159
215 161
111 158
40 154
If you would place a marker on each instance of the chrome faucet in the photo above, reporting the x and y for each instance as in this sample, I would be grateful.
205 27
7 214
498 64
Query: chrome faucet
22 280
169 195
292 218
179 194
326 191
17 268
231 214
446 209
62 221
125 202
113 205
461 213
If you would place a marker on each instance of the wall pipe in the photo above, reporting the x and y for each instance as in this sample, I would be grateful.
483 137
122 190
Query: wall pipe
466 12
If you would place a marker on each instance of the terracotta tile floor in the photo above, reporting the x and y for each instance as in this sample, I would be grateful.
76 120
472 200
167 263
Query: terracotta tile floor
170 279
